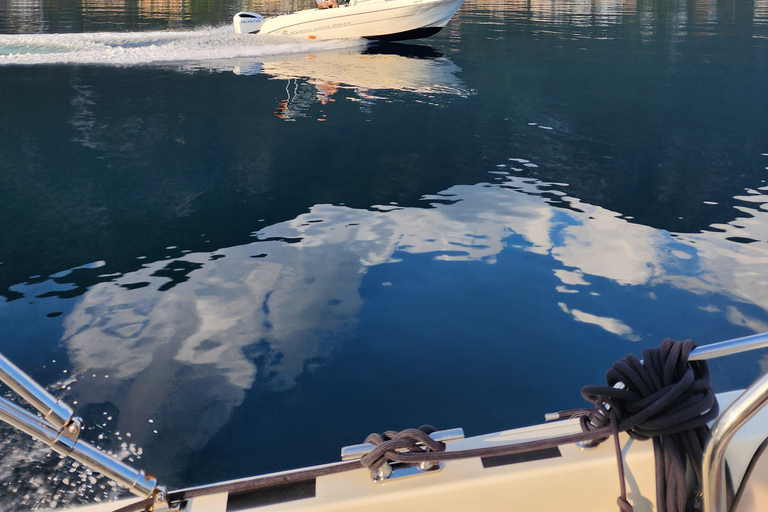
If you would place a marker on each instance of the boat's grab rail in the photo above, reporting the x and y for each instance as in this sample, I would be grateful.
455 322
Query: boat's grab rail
730 347
735 416
59 429
57 413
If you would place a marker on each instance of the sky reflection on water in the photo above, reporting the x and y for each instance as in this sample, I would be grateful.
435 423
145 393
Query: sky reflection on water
261 315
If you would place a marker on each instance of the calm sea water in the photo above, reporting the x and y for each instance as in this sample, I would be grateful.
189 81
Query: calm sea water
235 255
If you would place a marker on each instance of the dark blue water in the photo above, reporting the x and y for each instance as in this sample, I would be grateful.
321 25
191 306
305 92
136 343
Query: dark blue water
236 255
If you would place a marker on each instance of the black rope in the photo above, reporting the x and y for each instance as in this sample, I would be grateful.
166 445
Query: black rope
664 398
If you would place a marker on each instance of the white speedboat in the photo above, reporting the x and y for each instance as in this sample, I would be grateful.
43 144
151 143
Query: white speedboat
389 20
562 465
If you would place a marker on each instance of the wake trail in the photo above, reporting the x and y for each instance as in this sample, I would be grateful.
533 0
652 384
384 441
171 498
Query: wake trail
153 47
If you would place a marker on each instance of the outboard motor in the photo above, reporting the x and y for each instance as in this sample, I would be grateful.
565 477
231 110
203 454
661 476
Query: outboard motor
247 22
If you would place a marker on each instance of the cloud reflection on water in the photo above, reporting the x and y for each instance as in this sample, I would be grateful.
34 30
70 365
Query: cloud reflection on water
265 311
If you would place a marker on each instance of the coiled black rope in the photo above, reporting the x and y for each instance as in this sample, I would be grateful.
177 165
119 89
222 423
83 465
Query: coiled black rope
664 398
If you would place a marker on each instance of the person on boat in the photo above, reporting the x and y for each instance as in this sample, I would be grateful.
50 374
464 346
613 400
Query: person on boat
327 4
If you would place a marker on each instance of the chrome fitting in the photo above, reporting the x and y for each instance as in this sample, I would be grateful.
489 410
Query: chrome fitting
72 429
429 466
161 501
588 445
381 474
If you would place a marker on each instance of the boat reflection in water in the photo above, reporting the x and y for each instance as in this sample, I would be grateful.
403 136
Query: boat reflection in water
378 72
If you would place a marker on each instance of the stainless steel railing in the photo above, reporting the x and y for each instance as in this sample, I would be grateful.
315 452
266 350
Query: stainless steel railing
730 420
723 430
59 429
727 348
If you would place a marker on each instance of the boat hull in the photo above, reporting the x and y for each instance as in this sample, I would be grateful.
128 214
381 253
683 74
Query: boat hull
391 20
419 33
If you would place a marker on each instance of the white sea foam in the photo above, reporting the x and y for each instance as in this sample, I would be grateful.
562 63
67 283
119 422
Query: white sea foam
153 47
